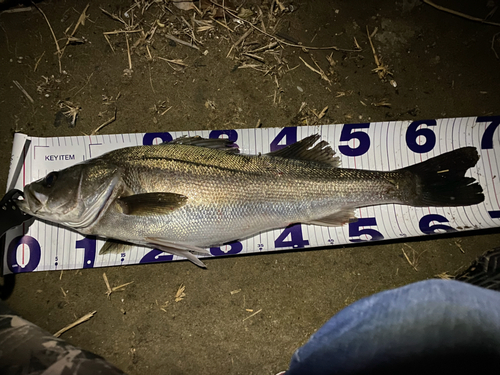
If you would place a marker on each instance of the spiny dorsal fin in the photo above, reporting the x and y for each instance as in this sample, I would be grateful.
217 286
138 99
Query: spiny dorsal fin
151 203
304 150
222 144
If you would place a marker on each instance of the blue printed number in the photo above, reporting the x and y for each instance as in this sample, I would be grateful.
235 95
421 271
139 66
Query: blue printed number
348 134
88 244
149 138
413 133
291 237
356 231
487 140
235 247
426 227
32 246
290 136
494 214
155 256
232 135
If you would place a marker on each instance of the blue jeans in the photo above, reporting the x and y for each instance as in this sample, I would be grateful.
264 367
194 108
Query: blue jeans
430 327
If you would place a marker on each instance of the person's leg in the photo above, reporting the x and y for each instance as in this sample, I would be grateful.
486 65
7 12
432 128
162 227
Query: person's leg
430 327
27 349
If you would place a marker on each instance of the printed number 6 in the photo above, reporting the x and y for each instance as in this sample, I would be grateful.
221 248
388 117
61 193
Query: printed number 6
413 132
348 134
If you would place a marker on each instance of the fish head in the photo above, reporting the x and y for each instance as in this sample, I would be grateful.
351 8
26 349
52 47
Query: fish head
73 197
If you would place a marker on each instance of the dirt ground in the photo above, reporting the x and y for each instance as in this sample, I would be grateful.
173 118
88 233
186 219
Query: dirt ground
444 66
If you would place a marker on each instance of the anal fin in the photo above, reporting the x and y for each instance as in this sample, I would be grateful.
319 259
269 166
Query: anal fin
115 247
337 219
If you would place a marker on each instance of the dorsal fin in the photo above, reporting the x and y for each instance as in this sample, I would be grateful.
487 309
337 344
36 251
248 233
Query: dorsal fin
222 144
304 150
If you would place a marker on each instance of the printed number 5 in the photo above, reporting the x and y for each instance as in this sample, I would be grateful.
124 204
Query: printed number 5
348 134
355 231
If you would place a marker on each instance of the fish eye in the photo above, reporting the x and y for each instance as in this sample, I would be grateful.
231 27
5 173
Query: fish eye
49 180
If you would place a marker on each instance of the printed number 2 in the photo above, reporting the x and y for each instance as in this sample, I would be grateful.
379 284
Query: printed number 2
355 231
487 140
348 134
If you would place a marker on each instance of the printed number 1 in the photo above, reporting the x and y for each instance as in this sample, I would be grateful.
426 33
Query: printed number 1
88 244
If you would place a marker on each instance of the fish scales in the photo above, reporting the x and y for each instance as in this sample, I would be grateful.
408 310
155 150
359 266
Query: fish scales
245 193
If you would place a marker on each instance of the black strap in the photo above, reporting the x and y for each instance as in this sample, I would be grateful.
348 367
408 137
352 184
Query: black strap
10 215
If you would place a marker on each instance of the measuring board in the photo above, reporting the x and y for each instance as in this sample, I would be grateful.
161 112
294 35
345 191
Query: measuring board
39 246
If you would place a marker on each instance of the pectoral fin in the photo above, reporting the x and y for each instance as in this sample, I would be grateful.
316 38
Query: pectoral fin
151 203
337 219
182 250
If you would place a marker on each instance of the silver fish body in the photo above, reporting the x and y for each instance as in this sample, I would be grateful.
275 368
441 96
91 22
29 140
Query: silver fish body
182 196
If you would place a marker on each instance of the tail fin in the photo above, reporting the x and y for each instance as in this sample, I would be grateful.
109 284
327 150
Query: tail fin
441 180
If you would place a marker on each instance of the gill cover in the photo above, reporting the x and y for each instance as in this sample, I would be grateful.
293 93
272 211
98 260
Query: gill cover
74 196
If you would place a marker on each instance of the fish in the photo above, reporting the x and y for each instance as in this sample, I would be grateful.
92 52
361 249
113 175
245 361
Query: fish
189 194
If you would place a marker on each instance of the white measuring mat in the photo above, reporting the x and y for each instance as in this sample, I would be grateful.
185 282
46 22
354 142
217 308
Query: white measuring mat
39 246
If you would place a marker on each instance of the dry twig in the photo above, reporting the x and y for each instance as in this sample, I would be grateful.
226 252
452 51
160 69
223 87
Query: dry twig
414 257
232 14
74 324
113 289
459 14
320 71
255 313
106 123
18 85
59 54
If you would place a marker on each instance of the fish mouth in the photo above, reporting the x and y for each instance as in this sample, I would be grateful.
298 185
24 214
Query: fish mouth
32 202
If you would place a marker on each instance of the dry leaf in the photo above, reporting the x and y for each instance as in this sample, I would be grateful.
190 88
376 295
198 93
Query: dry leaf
184 4
179 296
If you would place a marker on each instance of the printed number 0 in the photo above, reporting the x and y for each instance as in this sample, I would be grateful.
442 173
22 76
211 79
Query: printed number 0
148 138
413 132
33 248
